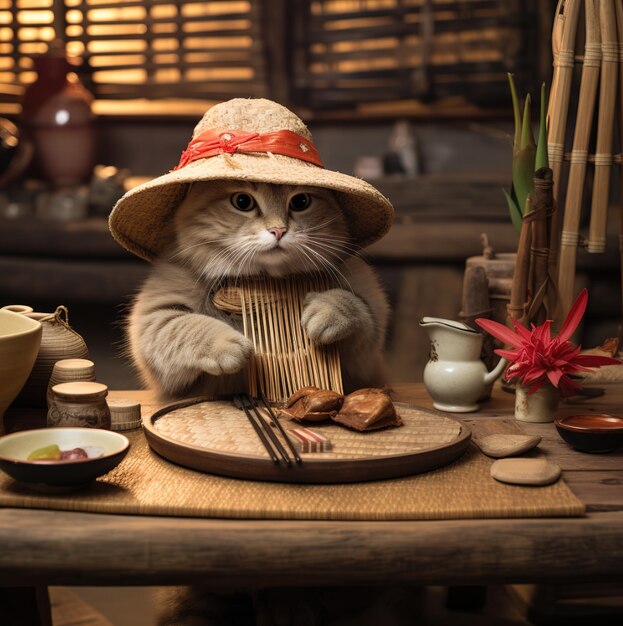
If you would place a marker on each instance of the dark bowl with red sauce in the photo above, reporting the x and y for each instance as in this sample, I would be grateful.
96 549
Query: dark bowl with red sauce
592 433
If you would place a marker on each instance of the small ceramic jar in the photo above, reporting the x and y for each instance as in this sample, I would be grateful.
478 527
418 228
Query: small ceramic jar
70 371
124 414
81 404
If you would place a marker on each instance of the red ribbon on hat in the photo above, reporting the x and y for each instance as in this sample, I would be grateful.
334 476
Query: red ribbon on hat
215 142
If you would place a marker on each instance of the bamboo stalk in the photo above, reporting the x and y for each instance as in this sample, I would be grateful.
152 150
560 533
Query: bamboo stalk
519 289
565 28
605 127
557 28
543 205
579 156
619 18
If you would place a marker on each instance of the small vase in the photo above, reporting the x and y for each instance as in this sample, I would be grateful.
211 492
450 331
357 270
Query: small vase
56 113
540 406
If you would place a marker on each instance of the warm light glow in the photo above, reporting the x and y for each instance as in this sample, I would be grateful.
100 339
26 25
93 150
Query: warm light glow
61 117
35 17
214 8
162 11
110 37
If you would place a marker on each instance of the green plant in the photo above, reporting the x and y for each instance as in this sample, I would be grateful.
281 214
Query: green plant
527 156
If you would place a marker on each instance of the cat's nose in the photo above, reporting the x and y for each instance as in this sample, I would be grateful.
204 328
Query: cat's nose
278 232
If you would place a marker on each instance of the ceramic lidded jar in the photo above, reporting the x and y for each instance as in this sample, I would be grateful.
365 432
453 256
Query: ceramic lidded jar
79 404
70 371
59 341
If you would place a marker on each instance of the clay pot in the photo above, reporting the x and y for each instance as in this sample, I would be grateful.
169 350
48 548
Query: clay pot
59 341
56 112
540 406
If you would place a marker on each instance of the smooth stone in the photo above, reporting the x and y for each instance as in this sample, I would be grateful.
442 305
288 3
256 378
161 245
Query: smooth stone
525 471
500 446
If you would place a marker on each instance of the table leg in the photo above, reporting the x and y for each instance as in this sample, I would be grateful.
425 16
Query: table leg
25 606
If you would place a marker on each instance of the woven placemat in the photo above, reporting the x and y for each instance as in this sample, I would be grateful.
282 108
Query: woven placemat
146 484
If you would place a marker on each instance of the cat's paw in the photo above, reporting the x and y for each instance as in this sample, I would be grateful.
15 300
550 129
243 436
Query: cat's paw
333 315
226 354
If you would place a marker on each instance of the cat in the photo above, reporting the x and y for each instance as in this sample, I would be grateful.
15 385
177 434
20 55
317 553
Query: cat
226 230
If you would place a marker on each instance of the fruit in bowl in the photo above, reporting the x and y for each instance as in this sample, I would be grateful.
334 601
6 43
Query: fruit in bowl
20 338
61 456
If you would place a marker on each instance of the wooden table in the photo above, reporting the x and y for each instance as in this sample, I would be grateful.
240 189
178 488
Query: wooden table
67 548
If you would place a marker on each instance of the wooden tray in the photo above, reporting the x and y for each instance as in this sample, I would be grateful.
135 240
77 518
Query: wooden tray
215 437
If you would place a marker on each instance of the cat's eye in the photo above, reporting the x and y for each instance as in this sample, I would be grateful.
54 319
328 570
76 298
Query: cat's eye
300 202
242 201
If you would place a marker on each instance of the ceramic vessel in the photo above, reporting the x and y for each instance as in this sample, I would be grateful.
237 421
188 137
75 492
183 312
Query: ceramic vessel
592 433
59 341
17 308
81 404
56 111
19 343
540 406
70 371
454 376
15 448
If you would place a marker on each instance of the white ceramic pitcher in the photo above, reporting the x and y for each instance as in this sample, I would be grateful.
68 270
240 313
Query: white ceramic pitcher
454 376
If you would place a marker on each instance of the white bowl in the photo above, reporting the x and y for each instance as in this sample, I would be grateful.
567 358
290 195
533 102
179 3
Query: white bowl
16 447
20 338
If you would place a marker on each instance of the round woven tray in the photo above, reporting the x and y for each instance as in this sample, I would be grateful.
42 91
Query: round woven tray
215 437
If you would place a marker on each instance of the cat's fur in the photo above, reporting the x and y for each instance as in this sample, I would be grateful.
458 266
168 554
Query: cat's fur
183 345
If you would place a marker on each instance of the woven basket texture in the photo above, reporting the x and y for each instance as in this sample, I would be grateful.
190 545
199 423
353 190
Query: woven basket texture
58 341
146 484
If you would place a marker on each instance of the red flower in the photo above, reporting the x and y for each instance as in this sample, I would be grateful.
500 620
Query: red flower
538 358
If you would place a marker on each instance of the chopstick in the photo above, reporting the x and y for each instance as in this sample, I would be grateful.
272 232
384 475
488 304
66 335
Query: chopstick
267 429
241 404
294 451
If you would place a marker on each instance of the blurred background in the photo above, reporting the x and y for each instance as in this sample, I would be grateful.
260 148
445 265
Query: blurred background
97 96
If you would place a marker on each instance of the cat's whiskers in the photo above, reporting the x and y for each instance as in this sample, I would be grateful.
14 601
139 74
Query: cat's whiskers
337 243
328 266
225 256
242 257
309 229
307 260
203 242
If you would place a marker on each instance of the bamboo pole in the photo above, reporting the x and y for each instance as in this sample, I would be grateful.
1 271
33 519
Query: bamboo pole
519 289
557 28
543 207
605 126
619 17
579 156
564 32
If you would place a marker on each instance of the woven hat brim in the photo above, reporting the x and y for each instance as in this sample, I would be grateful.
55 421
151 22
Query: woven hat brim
142 220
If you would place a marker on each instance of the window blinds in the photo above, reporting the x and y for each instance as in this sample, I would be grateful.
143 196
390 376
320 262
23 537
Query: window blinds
351 51
139 49
311 53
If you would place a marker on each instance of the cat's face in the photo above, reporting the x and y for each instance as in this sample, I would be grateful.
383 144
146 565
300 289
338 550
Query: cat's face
243 229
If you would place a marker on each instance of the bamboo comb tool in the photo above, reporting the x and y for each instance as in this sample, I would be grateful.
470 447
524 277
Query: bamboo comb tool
285 358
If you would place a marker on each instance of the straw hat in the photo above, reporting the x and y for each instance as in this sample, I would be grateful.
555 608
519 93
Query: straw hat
253 140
